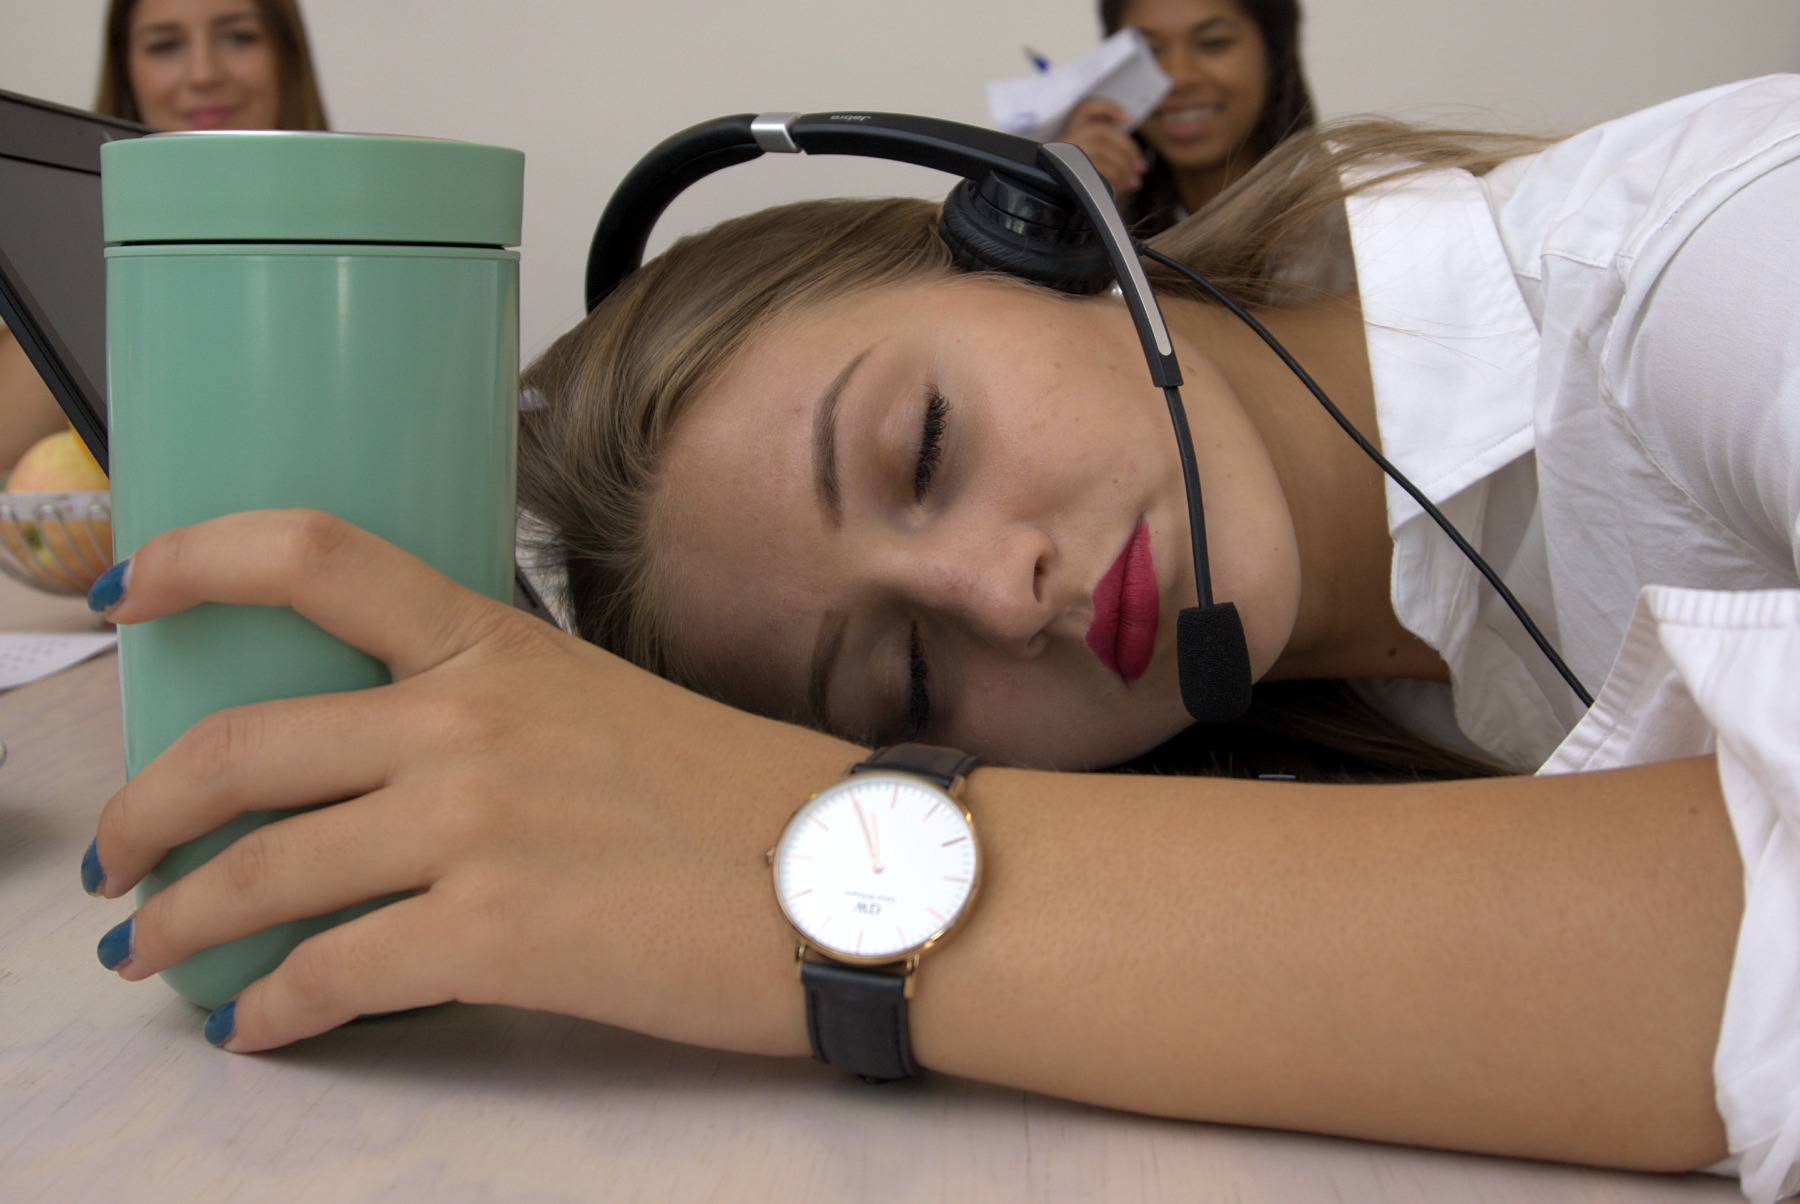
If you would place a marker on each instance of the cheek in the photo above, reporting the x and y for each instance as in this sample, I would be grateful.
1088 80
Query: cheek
150 80
255 72
1247 74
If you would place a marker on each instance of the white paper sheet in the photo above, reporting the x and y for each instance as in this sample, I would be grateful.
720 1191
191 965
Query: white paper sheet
26 658
1122 69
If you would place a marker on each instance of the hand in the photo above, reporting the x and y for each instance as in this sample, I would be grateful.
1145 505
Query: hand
1097 126
577 835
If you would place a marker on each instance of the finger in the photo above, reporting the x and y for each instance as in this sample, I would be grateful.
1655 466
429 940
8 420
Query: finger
387 961
1098 110
357 586
298 867
292 752
1119 146
1102 148
1118 173
1120 169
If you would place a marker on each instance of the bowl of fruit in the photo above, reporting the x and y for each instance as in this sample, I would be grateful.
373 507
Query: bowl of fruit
56 518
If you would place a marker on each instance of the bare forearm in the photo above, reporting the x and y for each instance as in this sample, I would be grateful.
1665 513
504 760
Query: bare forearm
1525 966
1533 967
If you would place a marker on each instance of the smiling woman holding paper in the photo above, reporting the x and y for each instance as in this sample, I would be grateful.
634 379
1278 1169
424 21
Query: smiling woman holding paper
1236 89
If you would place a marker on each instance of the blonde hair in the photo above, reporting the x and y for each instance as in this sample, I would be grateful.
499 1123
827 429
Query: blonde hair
299 105
606 395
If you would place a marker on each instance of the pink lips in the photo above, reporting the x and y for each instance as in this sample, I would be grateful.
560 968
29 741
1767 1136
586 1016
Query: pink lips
208 119
1126 607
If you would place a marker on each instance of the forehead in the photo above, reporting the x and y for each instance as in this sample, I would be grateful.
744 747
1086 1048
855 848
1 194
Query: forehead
1177 15
182 12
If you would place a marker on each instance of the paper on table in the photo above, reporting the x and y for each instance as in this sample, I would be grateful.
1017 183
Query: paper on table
1122 69
25 658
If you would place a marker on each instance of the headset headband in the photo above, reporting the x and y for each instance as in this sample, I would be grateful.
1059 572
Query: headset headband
1050 173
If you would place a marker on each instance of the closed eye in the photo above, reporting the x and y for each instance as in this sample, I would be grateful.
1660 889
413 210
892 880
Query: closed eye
931 443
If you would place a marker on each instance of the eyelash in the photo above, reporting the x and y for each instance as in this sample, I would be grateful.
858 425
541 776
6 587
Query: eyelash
931 443
237 37
918 706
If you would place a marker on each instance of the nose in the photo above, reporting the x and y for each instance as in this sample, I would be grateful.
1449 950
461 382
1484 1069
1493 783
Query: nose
202 61
994 584
1181 64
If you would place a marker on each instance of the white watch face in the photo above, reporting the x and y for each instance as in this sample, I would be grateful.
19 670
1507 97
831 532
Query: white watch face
876 867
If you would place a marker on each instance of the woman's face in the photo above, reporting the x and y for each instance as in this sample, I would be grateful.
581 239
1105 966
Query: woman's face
202 65
1218 66
953 511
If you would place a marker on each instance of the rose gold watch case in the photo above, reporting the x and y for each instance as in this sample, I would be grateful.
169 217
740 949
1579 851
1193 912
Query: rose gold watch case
908 956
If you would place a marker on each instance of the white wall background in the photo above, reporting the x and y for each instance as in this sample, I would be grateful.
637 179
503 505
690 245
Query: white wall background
586 86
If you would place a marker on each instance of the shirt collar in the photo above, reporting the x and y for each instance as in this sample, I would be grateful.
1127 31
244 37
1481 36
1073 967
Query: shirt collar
1453 351
1453 354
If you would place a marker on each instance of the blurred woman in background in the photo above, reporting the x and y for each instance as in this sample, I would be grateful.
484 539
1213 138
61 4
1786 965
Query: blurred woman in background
178 65
209 65
1237 90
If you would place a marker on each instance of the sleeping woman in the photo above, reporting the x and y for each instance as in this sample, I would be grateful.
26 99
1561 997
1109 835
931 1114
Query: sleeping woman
817 491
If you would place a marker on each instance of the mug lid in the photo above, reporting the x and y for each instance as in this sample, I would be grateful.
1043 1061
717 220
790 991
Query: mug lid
310 186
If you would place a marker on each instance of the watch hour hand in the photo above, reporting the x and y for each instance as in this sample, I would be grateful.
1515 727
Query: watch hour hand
868 837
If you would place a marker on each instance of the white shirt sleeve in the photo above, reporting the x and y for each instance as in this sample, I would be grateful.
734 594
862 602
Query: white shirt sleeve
1712 370
1715 671
1710 378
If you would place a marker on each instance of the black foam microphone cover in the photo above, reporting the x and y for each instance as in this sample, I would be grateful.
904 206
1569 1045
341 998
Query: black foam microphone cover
1213 662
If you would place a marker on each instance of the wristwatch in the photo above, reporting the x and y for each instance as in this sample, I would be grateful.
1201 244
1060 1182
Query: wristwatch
873 872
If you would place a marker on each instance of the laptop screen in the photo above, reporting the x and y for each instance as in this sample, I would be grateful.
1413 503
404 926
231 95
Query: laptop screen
52 261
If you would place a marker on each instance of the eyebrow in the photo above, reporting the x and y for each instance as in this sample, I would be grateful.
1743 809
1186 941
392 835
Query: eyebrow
166 27
825 474
1197 27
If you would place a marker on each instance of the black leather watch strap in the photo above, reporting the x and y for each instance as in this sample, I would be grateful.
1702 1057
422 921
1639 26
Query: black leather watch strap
929 761
856 1020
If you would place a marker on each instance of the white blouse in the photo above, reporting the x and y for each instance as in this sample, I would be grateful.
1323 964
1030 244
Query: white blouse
1590 360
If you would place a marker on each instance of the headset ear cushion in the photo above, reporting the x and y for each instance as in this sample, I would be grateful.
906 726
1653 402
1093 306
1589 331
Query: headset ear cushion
979 243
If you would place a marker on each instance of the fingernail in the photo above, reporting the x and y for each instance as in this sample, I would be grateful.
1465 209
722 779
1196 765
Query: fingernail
115 947
93 877
221 1024
108 589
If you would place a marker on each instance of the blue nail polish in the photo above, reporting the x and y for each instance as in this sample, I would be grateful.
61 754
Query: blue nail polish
108 589
115 946
92 876
221 1024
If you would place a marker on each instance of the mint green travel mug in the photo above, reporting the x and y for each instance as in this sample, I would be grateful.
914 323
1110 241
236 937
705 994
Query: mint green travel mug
301 319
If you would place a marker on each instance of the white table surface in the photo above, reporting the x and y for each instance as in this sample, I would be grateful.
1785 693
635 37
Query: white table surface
108 1092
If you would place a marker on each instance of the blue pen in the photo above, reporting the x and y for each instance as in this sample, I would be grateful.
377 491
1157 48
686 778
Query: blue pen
1037 60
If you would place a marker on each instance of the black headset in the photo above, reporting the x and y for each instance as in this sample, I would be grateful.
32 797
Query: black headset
1038 211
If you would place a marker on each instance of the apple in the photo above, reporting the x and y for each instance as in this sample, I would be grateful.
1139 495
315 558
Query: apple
58 463
70 550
